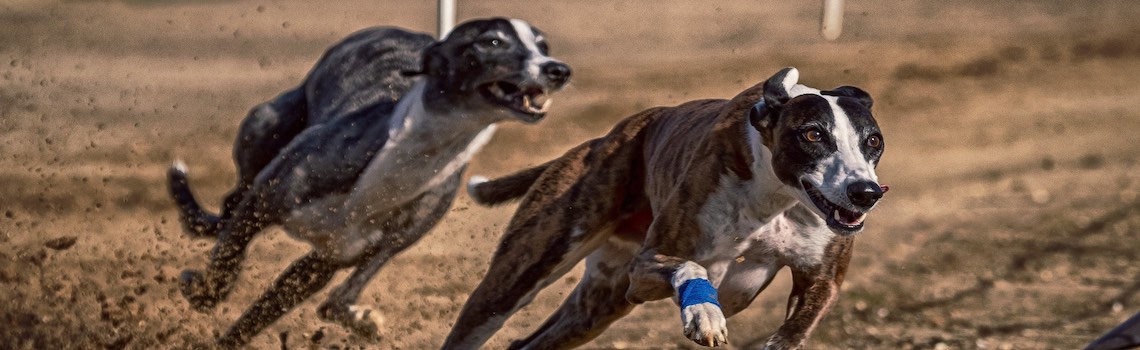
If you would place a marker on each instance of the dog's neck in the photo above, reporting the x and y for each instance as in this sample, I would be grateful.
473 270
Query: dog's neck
777 195
426 102
423 129
437 142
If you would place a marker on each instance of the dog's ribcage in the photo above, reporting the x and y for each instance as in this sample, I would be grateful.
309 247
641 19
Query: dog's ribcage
416 172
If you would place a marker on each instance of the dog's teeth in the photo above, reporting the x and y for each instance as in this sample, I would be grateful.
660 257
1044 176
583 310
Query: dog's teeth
541 101
538 99
836 215
862 217
497 90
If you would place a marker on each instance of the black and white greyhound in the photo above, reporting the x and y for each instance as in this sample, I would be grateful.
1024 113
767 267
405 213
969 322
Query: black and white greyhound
362 159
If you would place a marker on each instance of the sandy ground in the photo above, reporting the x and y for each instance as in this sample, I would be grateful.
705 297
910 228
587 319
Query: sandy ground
1010 127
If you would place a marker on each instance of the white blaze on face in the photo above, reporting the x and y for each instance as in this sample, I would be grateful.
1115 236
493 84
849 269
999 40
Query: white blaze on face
536 59
848 164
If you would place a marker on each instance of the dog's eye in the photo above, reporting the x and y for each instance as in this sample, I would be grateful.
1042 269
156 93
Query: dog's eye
813 135
490 43
874 141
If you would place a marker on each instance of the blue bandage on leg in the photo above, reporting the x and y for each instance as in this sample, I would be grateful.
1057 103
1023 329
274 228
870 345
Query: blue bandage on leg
697 291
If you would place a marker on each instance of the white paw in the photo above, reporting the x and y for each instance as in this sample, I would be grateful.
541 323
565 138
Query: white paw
179 165
705 324
365 314
361 320
365 321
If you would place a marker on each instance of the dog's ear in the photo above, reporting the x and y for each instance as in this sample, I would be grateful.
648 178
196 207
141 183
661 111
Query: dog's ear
776 94
760 116
777 89
435 61
850 91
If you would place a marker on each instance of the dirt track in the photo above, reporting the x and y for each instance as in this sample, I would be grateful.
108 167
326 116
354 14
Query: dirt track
1011 154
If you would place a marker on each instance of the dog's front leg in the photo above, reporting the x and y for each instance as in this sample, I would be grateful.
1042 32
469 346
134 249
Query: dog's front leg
657 276
304 277
814 290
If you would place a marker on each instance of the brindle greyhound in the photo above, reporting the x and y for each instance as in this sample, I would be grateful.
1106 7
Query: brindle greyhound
363 159
702 202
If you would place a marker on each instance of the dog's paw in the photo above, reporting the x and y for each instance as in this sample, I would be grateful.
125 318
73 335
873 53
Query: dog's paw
194 288
361 320
778 342
705 324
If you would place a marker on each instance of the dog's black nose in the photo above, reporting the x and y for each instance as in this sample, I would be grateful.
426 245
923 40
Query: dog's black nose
557 72
864 193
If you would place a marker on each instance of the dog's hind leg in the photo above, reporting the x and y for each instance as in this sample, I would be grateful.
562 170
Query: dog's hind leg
267 129
597 302
304 277
546 238
518 271
203 289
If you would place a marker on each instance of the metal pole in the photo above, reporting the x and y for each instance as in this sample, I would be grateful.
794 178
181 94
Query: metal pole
831 23
446 17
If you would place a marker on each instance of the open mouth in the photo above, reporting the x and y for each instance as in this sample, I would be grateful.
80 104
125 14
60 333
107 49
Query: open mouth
840 219
530 101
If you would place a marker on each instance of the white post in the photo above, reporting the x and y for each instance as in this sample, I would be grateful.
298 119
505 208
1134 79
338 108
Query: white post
446 17
831 23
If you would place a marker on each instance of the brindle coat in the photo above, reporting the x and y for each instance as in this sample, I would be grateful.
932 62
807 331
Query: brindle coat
635 204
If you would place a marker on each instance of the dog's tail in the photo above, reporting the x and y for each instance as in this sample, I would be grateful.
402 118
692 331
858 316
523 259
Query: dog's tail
197 221
504 189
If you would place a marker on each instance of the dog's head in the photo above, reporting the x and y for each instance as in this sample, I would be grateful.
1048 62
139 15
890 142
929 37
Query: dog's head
498 67
823 147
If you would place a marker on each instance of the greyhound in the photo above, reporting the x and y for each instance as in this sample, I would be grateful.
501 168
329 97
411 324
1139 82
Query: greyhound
363 159
703 203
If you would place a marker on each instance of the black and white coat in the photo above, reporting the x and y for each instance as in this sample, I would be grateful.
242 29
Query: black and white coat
364 158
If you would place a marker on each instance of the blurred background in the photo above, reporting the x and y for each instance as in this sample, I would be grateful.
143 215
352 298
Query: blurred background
1011 154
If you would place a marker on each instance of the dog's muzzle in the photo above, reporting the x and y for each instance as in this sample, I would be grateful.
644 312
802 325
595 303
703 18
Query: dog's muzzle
557 73
864 193
841 218
529 97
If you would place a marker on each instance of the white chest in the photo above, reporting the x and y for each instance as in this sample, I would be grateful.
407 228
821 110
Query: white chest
744 221
748 236
417 157
423 151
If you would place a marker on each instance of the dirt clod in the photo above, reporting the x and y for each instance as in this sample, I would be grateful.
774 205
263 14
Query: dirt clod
61 243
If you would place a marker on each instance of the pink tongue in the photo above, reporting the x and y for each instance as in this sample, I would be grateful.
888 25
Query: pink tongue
850 218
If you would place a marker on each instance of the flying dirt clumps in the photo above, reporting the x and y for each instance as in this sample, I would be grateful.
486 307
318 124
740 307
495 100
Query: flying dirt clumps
61 243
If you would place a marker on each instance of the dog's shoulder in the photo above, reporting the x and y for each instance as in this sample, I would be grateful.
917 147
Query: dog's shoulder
697 144
328 159
684 123
369 66
696 138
